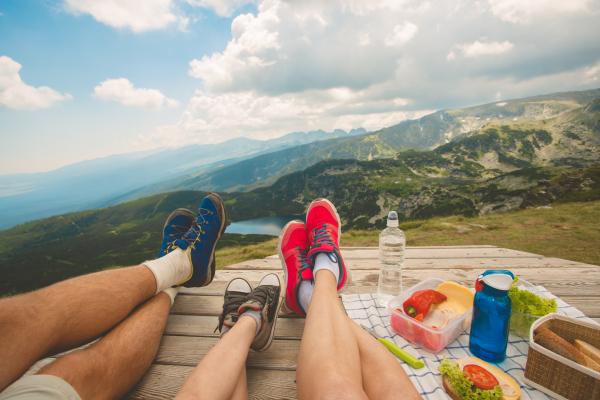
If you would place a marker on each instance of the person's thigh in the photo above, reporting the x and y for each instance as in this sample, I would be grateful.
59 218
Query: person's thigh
39 387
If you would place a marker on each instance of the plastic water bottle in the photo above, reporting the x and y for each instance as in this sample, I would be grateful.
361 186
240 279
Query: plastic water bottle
391 256
491 315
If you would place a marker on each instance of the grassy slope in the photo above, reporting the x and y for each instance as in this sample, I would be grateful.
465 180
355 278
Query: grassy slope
569 231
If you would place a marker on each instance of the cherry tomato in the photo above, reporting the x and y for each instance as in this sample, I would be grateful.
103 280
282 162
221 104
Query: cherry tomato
480 377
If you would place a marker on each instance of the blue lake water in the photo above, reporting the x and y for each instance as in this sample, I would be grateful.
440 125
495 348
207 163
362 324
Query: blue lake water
260 226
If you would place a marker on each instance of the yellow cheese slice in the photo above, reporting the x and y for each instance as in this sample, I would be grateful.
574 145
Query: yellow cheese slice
460 298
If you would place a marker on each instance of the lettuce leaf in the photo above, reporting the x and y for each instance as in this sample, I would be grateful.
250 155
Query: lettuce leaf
463 386
526 302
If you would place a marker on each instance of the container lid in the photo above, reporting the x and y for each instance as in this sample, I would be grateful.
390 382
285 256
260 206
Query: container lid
392 219
500 279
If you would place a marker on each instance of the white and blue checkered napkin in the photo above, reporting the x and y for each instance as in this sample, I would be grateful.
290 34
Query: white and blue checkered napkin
364 309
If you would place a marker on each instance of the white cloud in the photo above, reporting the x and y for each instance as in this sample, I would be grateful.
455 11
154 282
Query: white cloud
148 15
524 11
122 91
138 16
481 48
401 34
16 94
307 45
592 73
216 117
223 8
312 64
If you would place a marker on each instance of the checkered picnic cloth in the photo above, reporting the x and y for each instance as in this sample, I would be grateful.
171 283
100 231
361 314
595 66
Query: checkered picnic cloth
363 309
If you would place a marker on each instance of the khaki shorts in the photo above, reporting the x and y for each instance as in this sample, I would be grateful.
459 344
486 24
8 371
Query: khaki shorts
42 387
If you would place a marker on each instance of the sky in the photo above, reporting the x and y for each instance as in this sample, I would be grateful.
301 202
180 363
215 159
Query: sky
81 79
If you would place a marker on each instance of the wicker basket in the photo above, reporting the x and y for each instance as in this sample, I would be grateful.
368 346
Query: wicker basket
556 375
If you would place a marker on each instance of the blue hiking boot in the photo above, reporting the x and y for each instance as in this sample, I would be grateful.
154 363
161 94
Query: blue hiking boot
202 238
177 224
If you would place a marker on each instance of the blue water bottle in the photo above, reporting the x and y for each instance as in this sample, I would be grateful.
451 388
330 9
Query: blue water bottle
491 315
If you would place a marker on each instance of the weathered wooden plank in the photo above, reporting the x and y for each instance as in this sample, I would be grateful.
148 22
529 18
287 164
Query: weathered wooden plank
430 263
440 252
189 350
562 282
164 381
204 325
211 306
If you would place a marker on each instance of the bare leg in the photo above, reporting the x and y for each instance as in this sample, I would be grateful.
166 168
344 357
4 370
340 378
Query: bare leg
225 363
241 388
382 376
329 360
67 314
110 367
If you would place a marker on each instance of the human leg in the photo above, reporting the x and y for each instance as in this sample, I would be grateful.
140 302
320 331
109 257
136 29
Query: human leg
329 359
75 311
112 365
247 321
66 314
382 375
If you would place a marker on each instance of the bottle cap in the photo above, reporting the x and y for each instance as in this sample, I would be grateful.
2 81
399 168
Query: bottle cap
392 219
499 279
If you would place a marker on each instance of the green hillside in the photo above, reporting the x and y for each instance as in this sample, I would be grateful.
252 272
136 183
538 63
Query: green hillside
568 231
503 166
559 113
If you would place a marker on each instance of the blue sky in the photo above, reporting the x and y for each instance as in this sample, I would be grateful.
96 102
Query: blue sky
124 75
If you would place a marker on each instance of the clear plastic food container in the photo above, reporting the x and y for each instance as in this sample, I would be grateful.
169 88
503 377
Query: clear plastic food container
521 322
432 339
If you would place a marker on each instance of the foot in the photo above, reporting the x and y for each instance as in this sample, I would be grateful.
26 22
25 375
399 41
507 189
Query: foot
264 299
293 246
324 229
235 295
200 241
176 225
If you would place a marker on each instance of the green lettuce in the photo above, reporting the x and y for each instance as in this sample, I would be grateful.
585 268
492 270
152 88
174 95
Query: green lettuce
463 386
526 302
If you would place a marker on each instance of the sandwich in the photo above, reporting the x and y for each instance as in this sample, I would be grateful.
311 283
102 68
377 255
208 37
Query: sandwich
471 378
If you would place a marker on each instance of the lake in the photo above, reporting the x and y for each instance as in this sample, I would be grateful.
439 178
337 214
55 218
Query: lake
260 226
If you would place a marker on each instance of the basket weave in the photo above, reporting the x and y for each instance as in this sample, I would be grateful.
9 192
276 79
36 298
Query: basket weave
555 373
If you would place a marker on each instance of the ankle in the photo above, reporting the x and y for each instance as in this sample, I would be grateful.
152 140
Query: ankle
325 277
251 318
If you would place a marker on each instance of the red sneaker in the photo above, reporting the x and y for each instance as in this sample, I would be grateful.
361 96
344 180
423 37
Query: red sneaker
324 229
293 245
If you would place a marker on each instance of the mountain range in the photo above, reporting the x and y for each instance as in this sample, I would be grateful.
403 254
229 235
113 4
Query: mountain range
533 153
109 180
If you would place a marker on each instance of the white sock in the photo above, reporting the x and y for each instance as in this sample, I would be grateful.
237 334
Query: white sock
172 292
329 262
171 269
305 292
254 315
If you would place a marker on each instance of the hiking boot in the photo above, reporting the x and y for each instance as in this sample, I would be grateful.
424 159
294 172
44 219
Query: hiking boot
200 240
235 295
264 299
177 223
324 229
293 246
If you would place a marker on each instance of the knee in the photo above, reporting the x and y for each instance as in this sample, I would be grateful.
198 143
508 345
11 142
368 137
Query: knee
340 388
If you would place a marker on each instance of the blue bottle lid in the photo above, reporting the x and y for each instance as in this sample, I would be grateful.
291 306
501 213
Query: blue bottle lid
499 279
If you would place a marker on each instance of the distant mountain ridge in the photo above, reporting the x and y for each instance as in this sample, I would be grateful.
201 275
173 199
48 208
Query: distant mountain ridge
246 164
105 181
428 132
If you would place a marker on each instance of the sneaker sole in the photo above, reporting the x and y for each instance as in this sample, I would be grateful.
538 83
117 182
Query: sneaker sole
286 309
223 215
272 333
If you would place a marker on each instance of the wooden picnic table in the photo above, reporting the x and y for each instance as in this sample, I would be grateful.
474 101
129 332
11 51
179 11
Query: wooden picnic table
271 375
